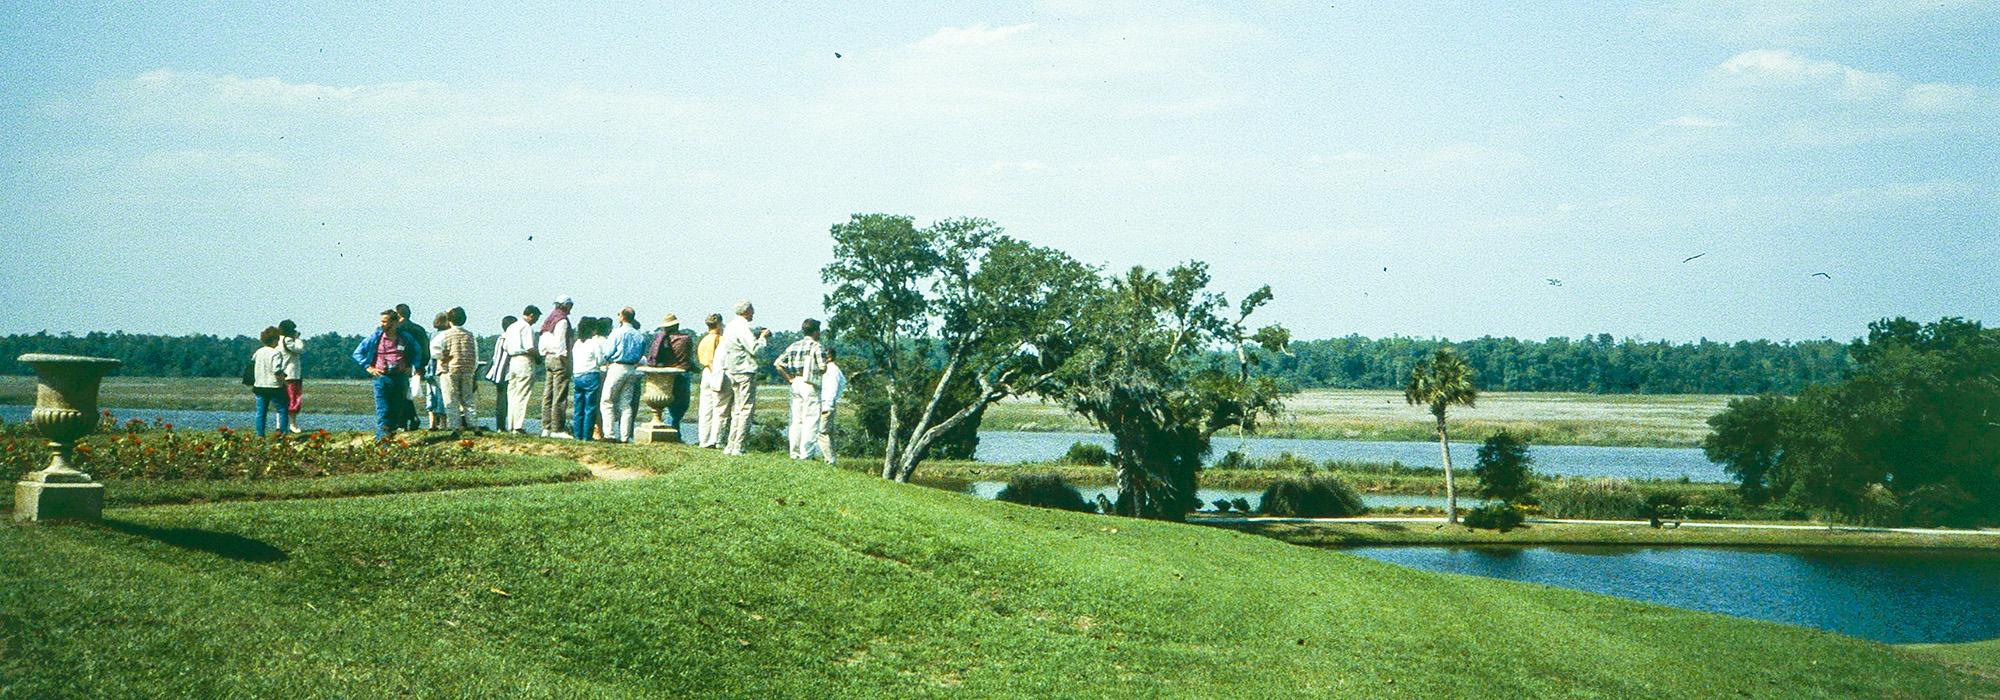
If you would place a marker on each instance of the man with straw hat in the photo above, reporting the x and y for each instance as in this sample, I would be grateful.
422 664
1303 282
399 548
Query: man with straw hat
672 348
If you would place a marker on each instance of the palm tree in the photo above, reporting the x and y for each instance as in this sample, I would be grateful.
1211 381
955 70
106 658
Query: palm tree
1442 382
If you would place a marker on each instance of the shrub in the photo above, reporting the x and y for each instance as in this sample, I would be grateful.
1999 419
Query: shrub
1503 468
1233 459
1086 453
1242 506
1286 461
1311 497
1045 491
1221 505
1494 516
767 436
1594 499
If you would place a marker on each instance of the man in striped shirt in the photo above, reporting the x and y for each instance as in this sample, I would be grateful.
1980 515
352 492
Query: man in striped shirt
802 365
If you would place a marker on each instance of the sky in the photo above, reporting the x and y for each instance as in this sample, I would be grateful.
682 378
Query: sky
1415 169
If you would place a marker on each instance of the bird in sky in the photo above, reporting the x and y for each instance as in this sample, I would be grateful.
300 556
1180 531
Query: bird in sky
836 54
1553 282
1822 274
1691 257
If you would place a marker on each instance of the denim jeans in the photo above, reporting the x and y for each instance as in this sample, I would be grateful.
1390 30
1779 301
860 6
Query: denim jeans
588 386
269 398
392 395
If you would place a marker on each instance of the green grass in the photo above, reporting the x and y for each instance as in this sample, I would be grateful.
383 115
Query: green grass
1361 534
1977 658
1340 414
762 577
512 470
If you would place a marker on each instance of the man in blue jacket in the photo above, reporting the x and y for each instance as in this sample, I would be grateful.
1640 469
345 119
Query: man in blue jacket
389 354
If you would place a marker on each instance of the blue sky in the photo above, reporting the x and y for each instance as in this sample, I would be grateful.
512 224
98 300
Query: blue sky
215 168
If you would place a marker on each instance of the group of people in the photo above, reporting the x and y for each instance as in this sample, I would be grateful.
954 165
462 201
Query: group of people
589 368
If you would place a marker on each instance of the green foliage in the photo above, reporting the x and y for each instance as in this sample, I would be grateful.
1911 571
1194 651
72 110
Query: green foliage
1312 497
1086 453
958 301
1045 491
1912 437
1504 468
1593 499
1745 442
1494 516
869 396
1595 364
1140 371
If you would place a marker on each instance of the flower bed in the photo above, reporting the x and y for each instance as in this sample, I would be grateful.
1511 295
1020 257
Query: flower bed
140 450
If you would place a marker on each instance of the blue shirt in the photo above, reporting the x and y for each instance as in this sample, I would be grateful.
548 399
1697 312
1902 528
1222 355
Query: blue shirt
626 346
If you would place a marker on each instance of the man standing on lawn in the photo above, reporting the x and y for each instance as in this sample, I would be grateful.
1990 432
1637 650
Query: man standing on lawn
670 348
737 357
557 336
458 359
802 366
624 348
712 412
496 372
830 388
420 357
521 367
388 355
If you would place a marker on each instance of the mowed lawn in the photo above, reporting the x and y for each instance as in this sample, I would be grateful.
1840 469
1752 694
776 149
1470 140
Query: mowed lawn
761 577
1349 414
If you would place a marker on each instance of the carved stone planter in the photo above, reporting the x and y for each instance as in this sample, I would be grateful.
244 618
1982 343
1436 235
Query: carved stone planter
65 411
658 391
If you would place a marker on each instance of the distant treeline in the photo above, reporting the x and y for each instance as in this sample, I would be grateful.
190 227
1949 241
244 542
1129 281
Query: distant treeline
1596 364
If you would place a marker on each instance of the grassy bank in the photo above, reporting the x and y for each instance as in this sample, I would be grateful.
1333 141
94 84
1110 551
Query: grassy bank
511 471
1362 534
765 577
1343 414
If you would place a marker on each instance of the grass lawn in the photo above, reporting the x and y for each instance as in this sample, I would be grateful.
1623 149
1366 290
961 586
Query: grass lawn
1346 414
1353 534
761 577
512 470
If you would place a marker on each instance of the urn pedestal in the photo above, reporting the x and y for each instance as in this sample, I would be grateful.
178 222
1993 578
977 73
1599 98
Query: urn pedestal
65 411
661 386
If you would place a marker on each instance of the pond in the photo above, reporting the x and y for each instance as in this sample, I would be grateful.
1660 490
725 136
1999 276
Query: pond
1892 596
1010 447
1664 463
991 489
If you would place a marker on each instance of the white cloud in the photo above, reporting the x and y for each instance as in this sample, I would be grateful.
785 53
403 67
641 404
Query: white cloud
978 35
1779 96
1802 22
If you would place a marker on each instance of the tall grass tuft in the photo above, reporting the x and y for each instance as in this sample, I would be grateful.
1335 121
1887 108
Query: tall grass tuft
1045 491
1312 497
1593 498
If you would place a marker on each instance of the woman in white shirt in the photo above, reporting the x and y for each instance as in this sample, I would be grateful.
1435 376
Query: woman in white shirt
295 355
268 381
588 360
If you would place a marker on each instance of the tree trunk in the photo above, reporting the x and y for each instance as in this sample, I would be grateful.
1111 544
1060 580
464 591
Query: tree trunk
1450 488
895 423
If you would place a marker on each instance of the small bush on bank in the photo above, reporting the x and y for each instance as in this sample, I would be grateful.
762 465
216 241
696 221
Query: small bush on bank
1233 459
1087 454
1045 491
1593 499
1311 497
1494 516
1504 468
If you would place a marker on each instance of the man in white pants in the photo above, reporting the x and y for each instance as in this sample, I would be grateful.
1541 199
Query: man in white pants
738 359
802 365
521 354
623 350
830 387
708 422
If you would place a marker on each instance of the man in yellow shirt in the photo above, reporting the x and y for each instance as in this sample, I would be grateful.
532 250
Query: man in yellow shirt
712 413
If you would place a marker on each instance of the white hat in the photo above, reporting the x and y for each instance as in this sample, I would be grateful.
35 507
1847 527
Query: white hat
564 300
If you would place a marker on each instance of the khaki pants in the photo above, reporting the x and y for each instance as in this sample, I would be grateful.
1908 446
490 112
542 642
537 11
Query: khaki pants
555 396
740 390
824 440
617 406
461 411
520 385
714 410
805 419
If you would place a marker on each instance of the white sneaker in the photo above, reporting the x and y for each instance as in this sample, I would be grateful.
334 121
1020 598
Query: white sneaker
562 436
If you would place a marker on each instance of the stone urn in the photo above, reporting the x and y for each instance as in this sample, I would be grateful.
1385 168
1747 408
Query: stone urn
65 411
661 387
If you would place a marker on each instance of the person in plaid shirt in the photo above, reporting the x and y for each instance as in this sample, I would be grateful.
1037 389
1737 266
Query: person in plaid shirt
802 365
